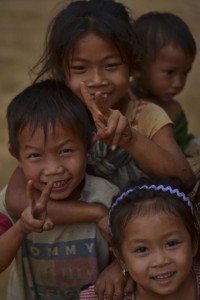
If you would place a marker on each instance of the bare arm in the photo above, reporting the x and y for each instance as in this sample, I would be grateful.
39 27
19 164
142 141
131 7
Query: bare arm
60 212
10 242
160 156
31 220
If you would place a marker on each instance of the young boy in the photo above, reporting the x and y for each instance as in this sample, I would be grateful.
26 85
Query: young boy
170 50
50 132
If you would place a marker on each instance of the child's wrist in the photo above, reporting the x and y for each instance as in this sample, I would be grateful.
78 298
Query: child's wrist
20 230
99 212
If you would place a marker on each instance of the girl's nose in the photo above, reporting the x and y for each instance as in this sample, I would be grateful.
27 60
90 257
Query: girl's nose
160 259
97 79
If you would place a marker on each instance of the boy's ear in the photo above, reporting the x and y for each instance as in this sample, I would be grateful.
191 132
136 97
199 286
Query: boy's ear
11 151
13 154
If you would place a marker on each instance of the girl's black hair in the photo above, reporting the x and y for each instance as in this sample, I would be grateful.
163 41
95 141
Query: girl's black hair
43 104
105 18
143 202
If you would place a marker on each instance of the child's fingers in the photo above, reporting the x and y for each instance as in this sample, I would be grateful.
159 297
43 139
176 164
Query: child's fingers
30 194
99 118
100 102
90 103
40 208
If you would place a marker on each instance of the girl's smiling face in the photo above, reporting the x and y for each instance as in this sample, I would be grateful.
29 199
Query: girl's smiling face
157 252
98 63
60 157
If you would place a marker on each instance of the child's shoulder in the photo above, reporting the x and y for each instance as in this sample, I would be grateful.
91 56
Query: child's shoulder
97 189
173 109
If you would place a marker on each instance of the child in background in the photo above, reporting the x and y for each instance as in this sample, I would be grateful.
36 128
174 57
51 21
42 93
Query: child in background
170 52
155 238
50 132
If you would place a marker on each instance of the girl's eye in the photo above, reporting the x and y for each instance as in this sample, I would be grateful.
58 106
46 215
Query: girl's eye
172 244
112 66
78 68
141 250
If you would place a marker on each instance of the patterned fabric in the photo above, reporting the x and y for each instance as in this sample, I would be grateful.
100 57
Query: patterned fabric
118 166
196 270
183 137
54 265
89 293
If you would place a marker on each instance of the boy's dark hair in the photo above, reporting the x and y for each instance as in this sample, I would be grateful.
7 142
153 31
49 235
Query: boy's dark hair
105 18
159 29
144 202
44 103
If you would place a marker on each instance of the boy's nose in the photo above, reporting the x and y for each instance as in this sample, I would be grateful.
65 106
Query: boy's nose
178 82
52 168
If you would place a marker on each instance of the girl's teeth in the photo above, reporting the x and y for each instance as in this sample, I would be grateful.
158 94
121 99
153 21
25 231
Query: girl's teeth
163 276
58 184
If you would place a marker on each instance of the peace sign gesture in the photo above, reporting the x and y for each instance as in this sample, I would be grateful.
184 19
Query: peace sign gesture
112 126
35 217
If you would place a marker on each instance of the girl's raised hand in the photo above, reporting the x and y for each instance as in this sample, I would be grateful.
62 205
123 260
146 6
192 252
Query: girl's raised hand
35 217
112 127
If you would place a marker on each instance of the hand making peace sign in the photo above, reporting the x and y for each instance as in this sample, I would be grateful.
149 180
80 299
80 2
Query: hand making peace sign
35 217
112 127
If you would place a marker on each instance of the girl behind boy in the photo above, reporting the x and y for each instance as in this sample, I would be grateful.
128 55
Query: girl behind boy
101 50
155 238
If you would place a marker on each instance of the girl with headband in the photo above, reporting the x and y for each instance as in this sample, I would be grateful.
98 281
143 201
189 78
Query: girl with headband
155 238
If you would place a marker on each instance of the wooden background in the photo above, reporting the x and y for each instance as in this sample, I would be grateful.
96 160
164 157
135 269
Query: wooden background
23 25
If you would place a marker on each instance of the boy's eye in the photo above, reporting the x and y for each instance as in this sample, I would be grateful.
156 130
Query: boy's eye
34 155
169 72
66 151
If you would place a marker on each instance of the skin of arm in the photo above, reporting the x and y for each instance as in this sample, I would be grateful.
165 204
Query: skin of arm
32 219
60 212
164 157
111 282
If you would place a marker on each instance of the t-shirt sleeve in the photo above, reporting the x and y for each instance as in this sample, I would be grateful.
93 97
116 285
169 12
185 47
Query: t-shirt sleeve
5 223
151 119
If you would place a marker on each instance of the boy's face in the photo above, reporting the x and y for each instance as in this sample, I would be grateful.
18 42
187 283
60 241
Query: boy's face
165 77
157 251
98 63
61 159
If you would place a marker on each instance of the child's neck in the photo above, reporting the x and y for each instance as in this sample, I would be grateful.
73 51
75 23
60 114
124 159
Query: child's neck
122 105
187 290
